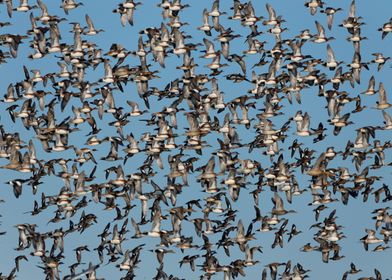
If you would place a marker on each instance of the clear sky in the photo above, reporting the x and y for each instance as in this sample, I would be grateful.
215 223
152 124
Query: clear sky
354 217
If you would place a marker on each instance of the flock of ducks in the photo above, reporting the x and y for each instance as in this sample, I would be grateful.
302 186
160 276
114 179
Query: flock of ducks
145 135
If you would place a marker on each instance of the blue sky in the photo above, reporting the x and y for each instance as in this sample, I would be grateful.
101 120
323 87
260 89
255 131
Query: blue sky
355 217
